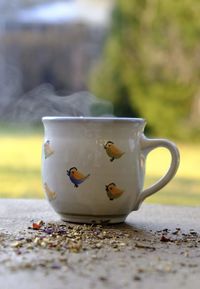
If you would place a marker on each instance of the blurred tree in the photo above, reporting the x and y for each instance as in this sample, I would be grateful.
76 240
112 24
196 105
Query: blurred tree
151 63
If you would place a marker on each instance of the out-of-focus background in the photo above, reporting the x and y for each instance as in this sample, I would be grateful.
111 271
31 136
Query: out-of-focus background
136 59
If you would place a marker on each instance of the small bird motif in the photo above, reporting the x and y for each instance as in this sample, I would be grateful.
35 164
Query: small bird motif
48 151
112 151
113 192
76 177
50 194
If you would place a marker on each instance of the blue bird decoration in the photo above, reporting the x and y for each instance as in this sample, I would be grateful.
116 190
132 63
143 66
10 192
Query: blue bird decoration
76 177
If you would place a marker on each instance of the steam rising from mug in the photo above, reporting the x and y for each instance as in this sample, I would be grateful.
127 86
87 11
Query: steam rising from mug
43 101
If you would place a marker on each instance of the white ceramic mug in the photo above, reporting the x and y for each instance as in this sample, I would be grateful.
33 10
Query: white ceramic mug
93 169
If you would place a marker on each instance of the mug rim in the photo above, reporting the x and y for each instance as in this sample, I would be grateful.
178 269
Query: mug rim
93 119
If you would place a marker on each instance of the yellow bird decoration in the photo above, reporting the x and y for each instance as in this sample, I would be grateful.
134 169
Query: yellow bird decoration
50 194
113 192
48 151
113 151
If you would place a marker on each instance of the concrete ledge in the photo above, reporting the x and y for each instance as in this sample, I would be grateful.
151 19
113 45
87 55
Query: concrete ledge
158 246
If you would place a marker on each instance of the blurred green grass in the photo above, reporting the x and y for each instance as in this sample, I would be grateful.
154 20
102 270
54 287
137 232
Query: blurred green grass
184 189
21 160
20 163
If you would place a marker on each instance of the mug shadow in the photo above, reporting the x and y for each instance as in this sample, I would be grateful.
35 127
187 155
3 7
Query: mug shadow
133 230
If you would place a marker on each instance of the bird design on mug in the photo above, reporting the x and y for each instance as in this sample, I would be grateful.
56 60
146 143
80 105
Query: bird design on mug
76 177
50 194
113 192
48 151
113 151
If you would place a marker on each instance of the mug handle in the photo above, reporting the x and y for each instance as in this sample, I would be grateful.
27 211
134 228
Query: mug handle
147 145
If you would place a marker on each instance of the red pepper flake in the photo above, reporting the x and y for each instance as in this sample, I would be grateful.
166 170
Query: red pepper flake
165 239
38 225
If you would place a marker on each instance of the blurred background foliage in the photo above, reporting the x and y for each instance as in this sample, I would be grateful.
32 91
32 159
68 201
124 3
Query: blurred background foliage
151 65
141 55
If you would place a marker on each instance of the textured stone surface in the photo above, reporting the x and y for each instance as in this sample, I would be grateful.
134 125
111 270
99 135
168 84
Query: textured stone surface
161 248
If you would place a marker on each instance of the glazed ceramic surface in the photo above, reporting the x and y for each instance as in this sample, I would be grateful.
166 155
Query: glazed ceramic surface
93 169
